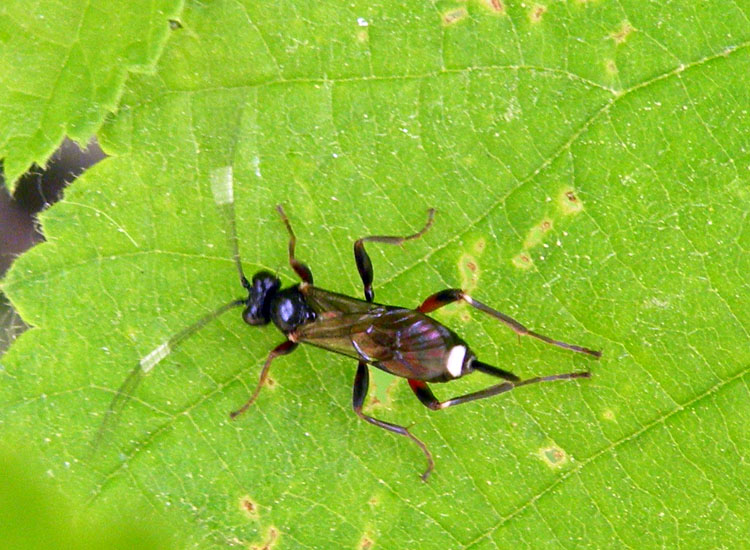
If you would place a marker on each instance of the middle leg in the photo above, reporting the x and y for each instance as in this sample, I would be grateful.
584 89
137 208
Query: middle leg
364 265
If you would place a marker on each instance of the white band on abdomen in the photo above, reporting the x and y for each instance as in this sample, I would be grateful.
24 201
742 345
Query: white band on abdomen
455 360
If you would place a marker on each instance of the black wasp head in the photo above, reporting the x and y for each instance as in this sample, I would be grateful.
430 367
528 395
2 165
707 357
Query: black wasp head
260 293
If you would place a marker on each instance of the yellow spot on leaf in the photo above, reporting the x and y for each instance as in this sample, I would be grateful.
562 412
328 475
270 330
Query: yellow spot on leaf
553 456
536 13
269 540
621 35
522 260
536 234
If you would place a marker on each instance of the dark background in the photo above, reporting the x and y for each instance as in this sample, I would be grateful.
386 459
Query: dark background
38 189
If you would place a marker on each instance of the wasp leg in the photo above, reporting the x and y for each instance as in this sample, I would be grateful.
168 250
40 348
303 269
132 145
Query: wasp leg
364 265
302 271
284 348
448 296
428 399
361 384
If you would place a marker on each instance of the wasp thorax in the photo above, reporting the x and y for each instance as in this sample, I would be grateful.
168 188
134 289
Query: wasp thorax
264 287
289 310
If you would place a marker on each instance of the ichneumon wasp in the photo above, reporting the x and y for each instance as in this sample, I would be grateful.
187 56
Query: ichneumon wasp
401 341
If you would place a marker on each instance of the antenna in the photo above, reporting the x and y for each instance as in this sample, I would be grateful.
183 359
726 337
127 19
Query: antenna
222 188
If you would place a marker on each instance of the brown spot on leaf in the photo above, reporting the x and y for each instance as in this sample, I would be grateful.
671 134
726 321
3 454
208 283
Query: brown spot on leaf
569 202
469 270
495 6
553 456
454 16
249 507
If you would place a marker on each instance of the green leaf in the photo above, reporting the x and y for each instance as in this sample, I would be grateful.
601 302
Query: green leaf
590 165
34 516
62 69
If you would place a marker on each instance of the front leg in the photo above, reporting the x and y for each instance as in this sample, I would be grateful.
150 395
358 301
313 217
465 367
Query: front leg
300 268
284 348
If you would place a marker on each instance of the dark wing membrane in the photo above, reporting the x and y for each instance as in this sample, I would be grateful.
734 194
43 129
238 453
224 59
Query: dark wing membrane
323 300
403 342
334 330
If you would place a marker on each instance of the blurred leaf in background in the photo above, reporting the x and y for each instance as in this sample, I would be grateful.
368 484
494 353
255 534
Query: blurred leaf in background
33 515
64 65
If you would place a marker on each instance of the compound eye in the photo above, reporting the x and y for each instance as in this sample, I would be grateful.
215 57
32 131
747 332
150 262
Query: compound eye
253 314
